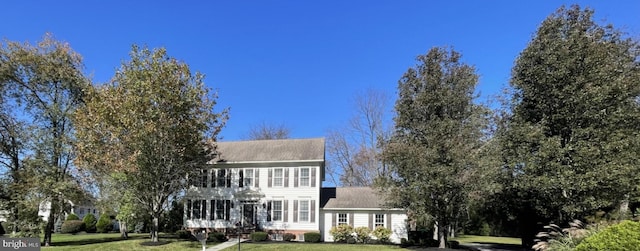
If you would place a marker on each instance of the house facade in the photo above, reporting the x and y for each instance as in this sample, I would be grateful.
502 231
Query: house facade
268 185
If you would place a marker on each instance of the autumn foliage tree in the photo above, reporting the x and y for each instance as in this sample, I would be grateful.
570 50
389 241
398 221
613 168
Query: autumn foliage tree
153 123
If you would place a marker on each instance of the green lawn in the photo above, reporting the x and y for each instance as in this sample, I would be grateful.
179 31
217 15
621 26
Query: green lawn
114 242
294 246
487 239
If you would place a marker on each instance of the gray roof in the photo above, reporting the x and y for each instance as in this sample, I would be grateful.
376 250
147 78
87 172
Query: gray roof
271 150
350 198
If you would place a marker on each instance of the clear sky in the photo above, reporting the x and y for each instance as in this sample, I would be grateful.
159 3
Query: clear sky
298 62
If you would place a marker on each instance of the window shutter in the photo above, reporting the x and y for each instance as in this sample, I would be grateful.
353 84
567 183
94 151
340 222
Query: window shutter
312 215
228 173
227 208
270 181
286 177
204 210
371 221
333 219
295 177
351 219
313 177
257 179
387 221
189 209
285 211
295 210
268 210
240 178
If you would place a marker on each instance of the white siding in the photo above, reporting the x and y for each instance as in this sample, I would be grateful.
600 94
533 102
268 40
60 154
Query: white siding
288 192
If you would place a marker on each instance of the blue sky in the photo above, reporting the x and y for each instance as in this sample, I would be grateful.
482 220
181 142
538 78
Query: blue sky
298 63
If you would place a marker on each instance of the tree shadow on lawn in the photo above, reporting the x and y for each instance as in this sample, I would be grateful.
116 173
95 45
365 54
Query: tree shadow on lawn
500 246
97 238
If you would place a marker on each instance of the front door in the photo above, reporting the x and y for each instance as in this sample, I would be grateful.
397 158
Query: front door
248 215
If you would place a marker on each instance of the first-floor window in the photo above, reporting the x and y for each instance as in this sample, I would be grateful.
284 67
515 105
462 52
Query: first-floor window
220 209
196 209
304 210
274 210
342 219
379 220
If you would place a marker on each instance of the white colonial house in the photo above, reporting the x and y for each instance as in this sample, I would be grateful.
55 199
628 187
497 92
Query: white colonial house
272 186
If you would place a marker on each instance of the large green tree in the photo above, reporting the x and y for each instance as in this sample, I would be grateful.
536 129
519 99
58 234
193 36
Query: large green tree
153 123
41 87
433 152
572 142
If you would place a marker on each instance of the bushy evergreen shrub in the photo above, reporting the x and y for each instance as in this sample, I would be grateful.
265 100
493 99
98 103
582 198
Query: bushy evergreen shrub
619 237
288 237
258 236
89 223
216 237
183 234
72 226
104 224
341 233
312 237
72 217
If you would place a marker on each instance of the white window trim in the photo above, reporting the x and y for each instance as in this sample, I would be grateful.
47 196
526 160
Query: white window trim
308 212
346 218
273 182
376 223
273 210
308 177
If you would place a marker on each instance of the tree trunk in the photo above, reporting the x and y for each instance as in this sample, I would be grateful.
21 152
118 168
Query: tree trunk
154 229
435 231
442 236
50 222
123 229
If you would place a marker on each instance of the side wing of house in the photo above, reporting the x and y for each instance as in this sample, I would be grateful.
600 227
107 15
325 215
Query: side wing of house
359 207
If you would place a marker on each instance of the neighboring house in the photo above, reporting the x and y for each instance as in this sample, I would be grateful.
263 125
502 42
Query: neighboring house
360 207
80 209
269 185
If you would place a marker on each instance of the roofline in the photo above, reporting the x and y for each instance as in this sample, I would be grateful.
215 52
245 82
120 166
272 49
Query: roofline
362 209
266 162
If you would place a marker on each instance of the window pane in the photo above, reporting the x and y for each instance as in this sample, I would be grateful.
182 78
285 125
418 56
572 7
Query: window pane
379 220
277 210
304 177
219 210
196 209
342 219
277 177
304 210
221 177
248 177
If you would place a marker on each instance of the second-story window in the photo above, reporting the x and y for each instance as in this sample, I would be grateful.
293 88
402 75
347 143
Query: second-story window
304 177
278 177
221 178
246 178
204 174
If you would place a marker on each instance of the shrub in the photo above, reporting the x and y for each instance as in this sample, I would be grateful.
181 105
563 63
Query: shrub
405 243
183 234
258 236
89 223
288 237
217 237
362 234
72 226
72 217
312 237
382 234
623 236
104 224
341 233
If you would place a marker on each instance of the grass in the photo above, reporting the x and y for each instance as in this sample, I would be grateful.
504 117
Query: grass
112 241
487 239
295 246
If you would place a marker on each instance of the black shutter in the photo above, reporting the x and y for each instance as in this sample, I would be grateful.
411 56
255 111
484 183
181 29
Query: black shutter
214 177
189 209
212 213
295 210
228 172
312 215
227 208
268 210
240 178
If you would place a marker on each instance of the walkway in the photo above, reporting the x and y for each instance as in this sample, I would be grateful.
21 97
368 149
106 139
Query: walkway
226 244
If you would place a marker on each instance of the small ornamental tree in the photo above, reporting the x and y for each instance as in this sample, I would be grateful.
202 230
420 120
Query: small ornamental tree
89 223
382 234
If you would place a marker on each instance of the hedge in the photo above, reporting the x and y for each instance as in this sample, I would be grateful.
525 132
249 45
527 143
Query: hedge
311 237
216 237
258 236
72 226
72 217
288 237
